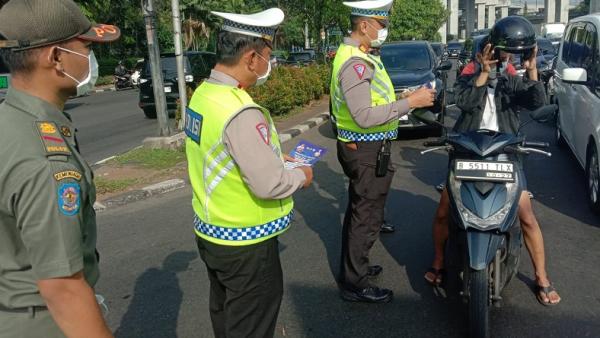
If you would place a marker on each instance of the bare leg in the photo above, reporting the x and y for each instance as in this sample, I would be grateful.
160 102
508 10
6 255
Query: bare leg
534 242
440 235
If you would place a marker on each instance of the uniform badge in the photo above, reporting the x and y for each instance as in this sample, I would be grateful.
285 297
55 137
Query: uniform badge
360 70
263 131
66 131
193 125
69 198
59 176
47 128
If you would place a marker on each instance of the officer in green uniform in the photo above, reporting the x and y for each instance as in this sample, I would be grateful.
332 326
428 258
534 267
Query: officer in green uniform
367 113
241 186
48 260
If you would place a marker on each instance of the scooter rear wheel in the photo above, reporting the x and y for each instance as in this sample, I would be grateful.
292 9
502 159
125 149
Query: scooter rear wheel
479 303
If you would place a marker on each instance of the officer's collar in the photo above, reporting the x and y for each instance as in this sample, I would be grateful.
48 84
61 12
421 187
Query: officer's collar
351 42
35 106
217 77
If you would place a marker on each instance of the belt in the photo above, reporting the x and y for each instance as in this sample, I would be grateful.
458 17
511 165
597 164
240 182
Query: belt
366 137
28 309
242 233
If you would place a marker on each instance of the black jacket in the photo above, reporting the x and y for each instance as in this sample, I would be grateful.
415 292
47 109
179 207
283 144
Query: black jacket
511 91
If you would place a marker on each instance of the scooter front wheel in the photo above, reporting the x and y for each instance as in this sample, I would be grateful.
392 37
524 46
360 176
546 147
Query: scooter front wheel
479 303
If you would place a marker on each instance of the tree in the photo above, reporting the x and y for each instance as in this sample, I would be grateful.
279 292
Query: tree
582 9
416 19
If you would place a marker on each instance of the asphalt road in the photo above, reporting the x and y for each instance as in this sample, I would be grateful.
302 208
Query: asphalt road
109 123
156 286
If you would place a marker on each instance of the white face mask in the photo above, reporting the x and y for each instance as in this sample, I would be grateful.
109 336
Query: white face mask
382 35
86 85
261 79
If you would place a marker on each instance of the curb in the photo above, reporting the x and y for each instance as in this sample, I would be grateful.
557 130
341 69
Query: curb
303 127
176 184
113 89
141 194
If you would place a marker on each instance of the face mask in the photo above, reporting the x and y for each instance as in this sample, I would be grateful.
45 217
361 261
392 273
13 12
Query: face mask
260 80
86 85
382 35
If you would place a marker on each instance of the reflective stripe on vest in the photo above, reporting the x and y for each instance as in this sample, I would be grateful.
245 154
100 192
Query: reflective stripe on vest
242 233
227 211
382 92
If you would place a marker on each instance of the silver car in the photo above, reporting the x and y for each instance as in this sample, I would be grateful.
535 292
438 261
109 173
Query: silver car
576 90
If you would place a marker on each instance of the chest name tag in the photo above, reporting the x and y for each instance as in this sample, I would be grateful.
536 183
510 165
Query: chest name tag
193 125
52 140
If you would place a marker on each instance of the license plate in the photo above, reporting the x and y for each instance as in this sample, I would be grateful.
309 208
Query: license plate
3 82
485 171
167 89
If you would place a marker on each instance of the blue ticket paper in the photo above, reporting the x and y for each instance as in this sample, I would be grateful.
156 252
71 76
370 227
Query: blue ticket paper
306 154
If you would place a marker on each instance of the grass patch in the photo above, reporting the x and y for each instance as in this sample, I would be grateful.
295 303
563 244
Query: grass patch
104 186
152 158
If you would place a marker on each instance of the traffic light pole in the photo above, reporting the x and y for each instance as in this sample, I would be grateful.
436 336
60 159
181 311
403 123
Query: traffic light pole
181 82
156 70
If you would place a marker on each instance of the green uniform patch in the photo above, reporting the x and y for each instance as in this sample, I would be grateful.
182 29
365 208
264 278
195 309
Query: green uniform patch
52 140
59 176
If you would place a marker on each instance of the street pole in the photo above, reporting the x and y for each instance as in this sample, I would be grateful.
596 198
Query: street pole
156 70
179 58
306 39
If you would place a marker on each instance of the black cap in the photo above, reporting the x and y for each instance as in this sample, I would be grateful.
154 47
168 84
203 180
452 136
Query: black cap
26 24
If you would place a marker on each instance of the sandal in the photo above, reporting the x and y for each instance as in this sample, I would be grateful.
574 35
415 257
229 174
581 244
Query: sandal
546 290
437 276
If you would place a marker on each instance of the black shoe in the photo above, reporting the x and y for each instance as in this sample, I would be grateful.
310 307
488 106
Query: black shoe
374 271
387 228
440 187
370 294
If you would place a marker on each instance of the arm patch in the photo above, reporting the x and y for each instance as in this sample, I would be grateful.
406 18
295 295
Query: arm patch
193 125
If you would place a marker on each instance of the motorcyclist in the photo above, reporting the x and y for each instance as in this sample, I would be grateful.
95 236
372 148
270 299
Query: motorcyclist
488 96
121 70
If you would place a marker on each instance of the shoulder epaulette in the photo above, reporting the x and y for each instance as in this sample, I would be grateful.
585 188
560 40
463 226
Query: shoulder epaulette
52 140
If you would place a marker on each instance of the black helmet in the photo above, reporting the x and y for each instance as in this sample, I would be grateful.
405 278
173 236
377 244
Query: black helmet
513 34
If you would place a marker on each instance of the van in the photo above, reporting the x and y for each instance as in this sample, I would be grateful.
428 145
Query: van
577 93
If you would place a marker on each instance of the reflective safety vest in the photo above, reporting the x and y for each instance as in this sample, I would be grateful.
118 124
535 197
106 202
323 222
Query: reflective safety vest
382 92
227 212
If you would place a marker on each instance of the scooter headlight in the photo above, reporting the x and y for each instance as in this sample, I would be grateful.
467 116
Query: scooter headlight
469 219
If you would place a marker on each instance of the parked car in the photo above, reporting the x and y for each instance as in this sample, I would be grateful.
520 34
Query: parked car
577 93
278 58
440 49
4 80
202 63
300 58
169 69
454 48
411 65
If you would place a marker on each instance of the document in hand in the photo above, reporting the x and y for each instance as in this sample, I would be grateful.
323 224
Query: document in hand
306 154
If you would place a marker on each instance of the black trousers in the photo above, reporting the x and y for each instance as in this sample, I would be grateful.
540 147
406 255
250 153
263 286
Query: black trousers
364 214
246 287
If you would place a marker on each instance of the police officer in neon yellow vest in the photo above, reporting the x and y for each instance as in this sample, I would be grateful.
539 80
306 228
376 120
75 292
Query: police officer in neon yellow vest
366 112
241 189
